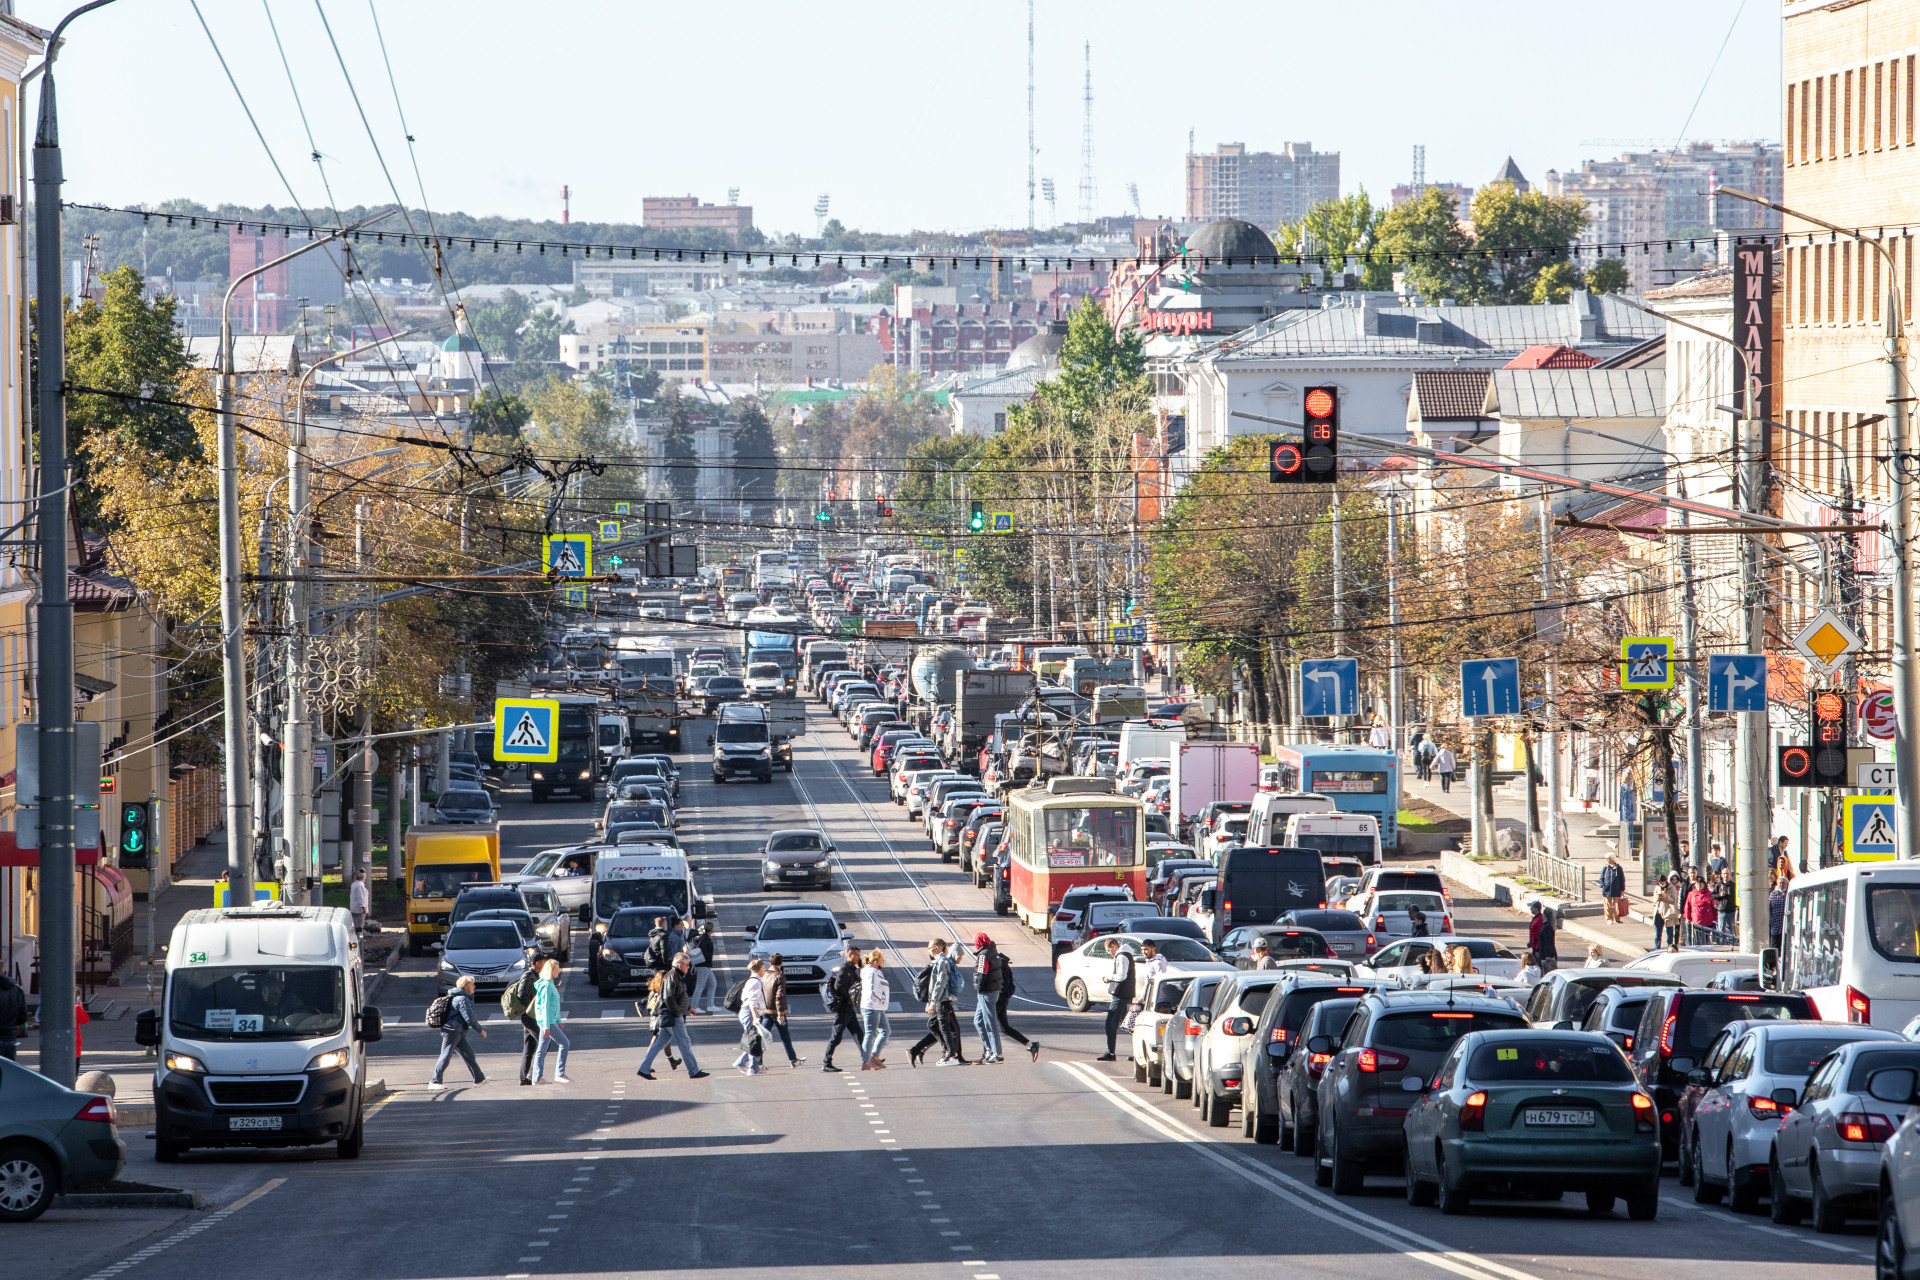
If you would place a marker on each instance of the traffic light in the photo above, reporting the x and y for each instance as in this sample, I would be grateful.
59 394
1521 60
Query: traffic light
136 833
824 515
1322 434
1827 718
1287 463
881 507
1793 767
977 518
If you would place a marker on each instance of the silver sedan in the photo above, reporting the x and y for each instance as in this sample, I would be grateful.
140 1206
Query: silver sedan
1826 1156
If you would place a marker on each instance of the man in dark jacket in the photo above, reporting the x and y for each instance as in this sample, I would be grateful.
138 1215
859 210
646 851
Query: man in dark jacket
776 1019
1540 938
521 993
843 999
674 1004
1613 889
1120 988
987 976
660 948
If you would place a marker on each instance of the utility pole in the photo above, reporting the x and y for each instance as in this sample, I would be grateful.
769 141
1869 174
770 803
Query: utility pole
1339 608
1549 735
1396 698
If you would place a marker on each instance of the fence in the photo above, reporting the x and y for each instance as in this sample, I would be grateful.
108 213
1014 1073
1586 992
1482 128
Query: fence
1568 878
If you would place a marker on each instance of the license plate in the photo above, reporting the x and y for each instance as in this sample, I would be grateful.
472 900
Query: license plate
1343 946
1564 1117
253 1122
797 873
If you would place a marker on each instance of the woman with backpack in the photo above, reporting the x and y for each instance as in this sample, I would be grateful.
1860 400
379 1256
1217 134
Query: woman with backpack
517 1002
874 999
753 1010
546 1012
986 987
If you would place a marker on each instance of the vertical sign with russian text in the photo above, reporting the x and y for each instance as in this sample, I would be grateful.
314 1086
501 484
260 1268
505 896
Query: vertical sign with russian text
1753 325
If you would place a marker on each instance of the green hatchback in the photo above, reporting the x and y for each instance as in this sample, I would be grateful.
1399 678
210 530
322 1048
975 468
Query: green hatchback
1520 1114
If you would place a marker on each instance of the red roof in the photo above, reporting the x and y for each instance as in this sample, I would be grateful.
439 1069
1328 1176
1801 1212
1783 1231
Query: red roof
1552 357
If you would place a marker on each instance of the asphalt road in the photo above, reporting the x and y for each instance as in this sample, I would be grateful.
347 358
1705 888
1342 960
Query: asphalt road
979 1173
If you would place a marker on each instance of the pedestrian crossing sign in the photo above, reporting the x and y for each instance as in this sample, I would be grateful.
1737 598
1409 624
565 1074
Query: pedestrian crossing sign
609 531
576 597
1003 522
524 730
568 554
1869 828
1646 662
623 508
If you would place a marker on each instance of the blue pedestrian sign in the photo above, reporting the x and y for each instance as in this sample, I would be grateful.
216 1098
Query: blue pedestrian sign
1646 662
623 508
1869 828
609 531
1329 686
1122 633
1737 682
570 555
1490 687
524 730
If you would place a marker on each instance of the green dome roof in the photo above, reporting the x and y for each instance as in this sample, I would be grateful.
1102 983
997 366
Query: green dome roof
460 342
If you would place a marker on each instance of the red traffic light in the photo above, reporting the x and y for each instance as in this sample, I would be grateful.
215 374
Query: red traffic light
1320 403
1794 767
1285 462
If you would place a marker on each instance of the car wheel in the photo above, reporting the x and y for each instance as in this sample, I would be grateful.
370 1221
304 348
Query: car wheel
1077 995
1182 1088
1452 1199
1202 1098
1704 1192
1000 908
28 1183
1139 1066
1322 1167
1599 1202
1349 1175
348 1148
1685 1161
606 990
1889 1246
1246 1119
165 1152
1266 1129
1742 1197
1419 1193
1644 1206
1781 1207
1166 1078
1155 1076
1827 1216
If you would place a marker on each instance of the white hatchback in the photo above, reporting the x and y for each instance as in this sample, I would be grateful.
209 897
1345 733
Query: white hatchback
1080 975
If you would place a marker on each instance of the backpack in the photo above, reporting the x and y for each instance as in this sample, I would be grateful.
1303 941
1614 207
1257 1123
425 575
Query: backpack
736 996
922 985
439 1011
1006 973
954 985
657 949
512 1003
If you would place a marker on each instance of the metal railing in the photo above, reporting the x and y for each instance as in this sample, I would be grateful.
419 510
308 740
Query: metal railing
1568 878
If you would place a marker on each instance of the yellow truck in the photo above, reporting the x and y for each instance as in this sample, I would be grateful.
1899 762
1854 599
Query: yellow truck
440 859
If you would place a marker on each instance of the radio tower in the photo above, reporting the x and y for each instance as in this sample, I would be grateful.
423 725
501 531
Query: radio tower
1089 196
1030 147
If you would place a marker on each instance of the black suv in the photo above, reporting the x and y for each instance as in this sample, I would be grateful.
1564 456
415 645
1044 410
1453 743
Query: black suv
1615 1013
1273 1043
1390 1048
623 950
1675 1033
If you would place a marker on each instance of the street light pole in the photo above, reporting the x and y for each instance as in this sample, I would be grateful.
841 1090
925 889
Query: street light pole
1906 675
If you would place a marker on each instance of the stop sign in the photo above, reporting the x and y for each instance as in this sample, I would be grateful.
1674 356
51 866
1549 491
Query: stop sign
1876 715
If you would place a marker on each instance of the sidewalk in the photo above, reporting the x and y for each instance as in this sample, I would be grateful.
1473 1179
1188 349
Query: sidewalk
1590 838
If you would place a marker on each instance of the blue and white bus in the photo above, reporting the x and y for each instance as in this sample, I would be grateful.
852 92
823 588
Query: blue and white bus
1356 779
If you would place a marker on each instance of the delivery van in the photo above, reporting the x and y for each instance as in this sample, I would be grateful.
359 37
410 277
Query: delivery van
640 876
439 860
261 1032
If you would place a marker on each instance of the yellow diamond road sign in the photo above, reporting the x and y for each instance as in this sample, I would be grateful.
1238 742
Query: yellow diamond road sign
1826 640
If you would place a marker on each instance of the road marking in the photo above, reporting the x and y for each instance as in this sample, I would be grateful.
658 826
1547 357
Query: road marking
253 1195
213 1219
1411 1244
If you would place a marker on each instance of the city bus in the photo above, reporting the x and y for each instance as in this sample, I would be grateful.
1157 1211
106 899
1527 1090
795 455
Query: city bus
1357 780
770 570
1073 831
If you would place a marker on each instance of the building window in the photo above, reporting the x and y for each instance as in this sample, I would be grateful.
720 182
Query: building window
1846 120
1879 73
1833 117
999 422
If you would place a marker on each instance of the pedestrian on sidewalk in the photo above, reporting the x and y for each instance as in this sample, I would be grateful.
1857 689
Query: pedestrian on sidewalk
673 1002
843 1002
1594 959
546 1012
1717 858
1120 989
704 984
80 1019
1002 999
453 1033
1700 915
13 1017
517 1002
1443 764
1613 890
1666 913
1721 888
1540 937
753 1008
1424 758
776 1019
357 903
874 998
986 991
943 1028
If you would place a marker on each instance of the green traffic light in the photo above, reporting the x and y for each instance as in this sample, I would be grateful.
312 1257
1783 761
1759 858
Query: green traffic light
133 841
824 517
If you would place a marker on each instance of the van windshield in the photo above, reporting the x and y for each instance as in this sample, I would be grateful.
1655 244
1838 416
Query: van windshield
611 895
279 1002
741 731
443 879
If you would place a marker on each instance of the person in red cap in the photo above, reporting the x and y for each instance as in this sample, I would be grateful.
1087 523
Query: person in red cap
987 975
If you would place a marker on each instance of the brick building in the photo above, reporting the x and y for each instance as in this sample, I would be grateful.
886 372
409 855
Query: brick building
686 213
939 337
270 302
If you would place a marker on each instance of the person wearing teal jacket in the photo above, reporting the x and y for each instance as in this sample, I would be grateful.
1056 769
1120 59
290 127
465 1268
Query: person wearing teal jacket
546 1012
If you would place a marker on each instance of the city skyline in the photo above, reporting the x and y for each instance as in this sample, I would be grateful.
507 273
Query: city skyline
904 172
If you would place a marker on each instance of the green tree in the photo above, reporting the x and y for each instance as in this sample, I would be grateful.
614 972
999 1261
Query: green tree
500 413
755 459
1428 244
570 421
1337 230
125 344
889 419
1555 283
1524 234
677 448
1095 362
1609 275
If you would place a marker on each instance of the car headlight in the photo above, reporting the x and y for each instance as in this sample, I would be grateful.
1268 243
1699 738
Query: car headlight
185 1062
608 953
599 926
448 966
546 930
538 776
820 865
586 773
773 866
329 1060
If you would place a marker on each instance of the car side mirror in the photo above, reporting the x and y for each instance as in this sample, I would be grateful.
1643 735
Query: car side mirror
1320 1044
1697 1078
1770 968
1565 1024
146 1029
699 909
1786 1099
586 914
370 1028
437 946
1239 1026
1897 1085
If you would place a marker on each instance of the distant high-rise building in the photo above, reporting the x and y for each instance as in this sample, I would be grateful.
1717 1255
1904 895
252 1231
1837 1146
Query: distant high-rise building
1265 188
1462 196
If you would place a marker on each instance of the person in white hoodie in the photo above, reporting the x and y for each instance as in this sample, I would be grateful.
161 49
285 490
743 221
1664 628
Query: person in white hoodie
875 996
753 1011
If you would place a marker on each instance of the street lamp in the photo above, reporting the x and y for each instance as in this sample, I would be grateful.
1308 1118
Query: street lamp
1906 676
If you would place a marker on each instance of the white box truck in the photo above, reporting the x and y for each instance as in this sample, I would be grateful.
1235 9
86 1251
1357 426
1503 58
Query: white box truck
261 1032
1207 771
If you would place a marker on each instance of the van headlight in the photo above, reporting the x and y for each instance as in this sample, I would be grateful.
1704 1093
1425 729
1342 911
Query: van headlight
328 1061
539 776
185 1062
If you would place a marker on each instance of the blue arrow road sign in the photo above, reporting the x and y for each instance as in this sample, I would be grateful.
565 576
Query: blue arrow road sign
1737 682
1490 687
1330 687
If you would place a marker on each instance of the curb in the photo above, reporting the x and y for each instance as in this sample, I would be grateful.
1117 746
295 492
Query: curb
380 979
1506 893
134 1195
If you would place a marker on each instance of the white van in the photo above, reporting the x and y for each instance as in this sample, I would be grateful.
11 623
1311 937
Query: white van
1335 835
1851 942
1267 825
261 1031
640 876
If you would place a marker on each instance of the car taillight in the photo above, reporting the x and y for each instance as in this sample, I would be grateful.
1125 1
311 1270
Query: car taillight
1371 944
1473 1113
1194 1028
1642 1113
98 1108
1381 1060
1446 924
1279 1035
1380 923
1864 1126
1766 1108
1667 1027
1628 1046
1064 917
1317 1062
1859 1007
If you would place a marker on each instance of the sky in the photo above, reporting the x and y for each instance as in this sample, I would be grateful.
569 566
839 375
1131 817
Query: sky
908 116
